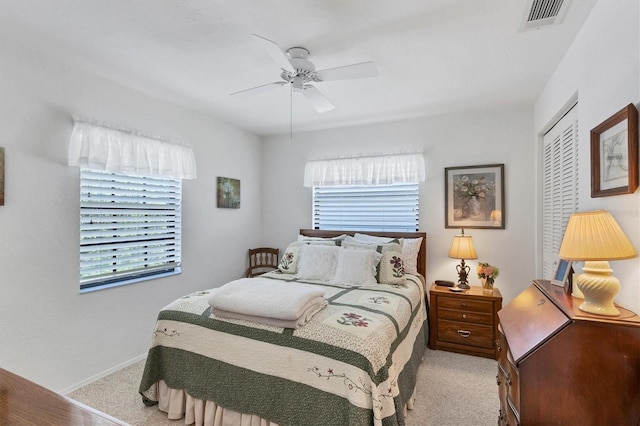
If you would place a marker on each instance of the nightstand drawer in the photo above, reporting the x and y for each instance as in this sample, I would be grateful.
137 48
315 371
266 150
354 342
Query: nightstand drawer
474 317
466 334
463 304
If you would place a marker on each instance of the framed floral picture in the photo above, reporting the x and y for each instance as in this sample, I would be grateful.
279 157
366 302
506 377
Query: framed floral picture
228 193
474 197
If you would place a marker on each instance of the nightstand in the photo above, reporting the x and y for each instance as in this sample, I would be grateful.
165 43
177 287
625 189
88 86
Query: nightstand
465 322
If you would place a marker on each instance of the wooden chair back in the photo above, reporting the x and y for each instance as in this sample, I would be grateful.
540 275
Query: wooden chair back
261 260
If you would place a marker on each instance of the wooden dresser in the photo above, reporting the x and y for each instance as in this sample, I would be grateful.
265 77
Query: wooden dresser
464 322
25 403
558 365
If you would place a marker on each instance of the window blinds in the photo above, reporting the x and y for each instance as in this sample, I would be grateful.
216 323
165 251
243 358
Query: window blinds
559 186
366 208
130 227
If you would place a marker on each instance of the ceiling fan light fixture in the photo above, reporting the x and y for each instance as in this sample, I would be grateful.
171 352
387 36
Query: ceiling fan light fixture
297 83
298 71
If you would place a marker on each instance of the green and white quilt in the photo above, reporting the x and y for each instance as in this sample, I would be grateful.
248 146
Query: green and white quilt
354 363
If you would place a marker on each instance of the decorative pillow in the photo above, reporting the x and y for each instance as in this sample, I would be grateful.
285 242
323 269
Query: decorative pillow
391 266
317 262
289 262
356 267
410 250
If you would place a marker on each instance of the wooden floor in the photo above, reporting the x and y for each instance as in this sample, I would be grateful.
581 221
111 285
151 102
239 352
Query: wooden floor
23 402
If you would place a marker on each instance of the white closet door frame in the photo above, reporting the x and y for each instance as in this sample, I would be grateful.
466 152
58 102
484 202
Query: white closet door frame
560 166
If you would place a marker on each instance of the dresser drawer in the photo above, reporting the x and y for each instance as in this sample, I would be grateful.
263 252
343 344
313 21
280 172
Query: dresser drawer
502 379
462 304
466 334
466 316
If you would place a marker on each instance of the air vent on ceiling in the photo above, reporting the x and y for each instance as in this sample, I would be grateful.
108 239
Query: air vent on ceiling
543 13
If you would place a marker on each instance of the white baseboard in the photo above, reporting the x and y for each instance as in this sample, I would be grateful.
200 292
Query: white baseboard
105 373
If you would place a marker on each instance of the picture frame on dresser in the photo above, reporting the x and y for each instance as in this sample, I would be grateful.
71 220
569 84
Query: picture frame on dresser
614 154
561 273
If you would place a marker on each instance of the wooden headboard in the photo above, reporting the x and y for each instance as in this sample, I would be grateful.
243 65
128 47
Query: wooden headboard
422 254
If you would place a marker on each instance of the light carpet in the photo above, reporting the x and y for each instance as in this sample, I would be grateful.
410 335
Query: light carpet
452 390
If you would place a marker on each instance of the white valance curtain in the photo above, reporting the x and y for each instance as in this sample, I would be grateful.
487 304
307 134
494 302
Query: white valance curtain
367 170
103 148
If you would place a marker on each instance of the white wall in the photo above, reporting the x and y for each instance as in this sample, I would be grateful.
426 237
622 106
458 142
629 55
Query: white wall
50 333
603 68
450 140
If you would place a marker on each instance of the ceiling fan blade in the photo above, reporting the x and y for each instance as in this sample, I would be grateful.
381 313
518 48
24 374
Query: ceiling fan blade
258 89
317 99
361 70
275 52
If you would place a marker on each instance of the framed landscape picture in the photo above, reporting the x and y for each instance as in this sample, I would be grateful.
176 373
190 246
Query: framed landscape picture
474 196
228 193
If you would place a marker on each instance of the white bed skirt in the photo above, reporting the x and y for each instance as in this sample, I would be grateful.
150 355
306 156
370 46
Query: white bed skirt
177 404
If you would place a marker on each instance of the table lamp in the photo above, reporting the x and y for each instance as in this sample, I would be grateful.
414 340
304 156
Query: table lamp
595 238
462 248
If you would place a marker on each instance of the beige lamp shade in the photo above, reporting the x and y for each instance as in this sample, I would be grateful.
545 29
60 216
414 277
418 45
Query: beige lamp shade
595 235
596 238
462 248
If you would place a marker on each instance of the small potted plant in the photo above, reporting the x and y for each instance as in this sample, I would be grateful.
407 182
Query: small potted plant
487 274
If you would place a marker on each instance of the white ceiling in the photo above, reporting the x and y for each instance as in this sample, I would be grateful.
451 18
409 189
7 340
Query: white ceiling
433 56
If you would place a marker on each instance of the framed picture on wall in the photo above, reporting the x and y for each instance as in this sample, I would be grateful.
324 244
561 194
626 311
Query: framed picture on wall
614 154
474 197
1 176
228 196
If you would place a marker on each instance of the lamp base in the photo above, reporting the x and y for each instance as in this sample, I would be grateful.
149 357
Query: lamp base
463 273
599 288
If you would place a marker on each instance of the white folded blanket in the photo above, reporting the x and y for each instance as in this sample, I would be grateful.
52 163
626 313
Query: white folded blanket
304 318
263 297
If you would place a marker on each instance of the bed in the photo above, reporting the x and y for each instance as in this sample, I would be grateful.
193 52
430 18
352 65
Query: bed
354 362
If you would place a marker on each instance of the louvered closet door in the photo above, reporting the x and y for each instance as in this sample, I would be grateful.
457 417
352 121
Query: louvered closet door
560 185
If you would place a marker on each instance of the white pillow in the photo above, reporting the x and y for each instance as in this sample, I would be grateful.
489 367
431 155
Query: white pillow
391 267
336 240
410 250
371 238
356 267
317 262
289 261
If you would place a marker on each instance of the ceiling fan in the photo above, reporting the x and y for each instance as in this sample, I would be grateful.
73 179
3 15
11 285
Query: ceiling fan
299 72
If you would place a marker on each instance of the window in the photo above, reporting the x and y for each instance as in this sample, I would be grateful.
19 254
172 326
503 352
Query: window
559 186
130 228
366 208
